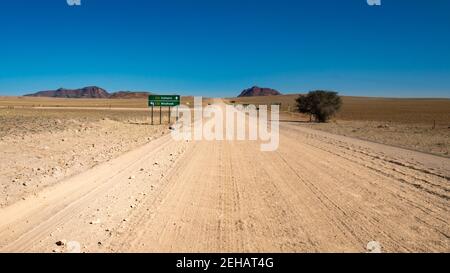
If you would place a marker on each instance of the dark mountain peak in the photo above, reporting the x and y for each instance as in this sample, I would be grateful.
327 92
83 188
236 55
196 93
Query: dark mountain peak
258 91
93 87
86 92
93 92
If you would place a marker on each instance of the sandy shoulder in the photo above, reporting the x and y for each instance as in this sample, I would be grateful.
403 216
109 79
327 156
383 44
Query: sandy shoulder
31 162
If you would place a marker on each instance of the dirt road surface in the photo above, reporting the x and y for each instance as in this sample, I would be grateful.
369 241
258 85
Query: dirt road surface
317 193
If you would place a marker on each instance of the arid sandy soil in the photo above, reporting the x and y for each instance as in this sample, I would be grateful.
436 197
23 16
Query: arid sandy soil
319 192
419 137
40 147
417 124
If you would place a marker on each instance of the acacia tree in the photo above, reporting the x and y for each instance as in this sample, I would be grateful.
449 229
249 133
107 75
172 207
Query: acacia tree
320 104
304 106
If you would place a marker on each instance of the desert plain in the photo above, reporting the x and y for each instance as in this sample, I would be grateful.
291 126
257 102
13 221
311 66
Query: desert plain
94 173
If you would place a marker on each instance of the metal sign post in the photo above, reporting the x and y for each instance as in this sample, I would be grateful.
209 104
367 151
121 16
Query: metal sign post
163 100
169 114
152 114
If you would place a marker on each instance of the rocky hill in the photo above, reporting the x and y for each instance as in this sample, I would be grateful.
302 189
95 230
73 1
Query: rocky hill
92 92
258 91
86 92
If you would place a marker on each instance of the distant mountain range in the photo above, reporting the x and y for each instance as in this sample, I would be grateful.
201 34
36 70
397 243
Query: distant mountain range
95 92
92 92
258 91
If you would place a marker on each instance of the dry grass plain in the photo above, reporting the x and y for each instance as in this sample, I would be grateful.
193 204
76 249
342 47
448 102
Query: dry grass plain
418 124
21 102
423 111
27 102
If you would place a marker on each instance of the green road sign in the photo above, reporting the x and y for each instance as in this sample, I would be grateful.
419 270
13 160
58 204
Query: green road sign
163 100
163 103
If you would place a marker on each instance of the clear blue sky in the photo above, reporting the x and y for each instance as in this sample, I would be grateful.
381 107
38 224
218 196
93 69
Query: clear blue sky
219 47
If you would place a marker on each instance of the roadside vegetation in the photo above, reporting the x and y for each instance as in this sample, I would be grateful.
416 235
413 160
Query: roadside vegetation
321 105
